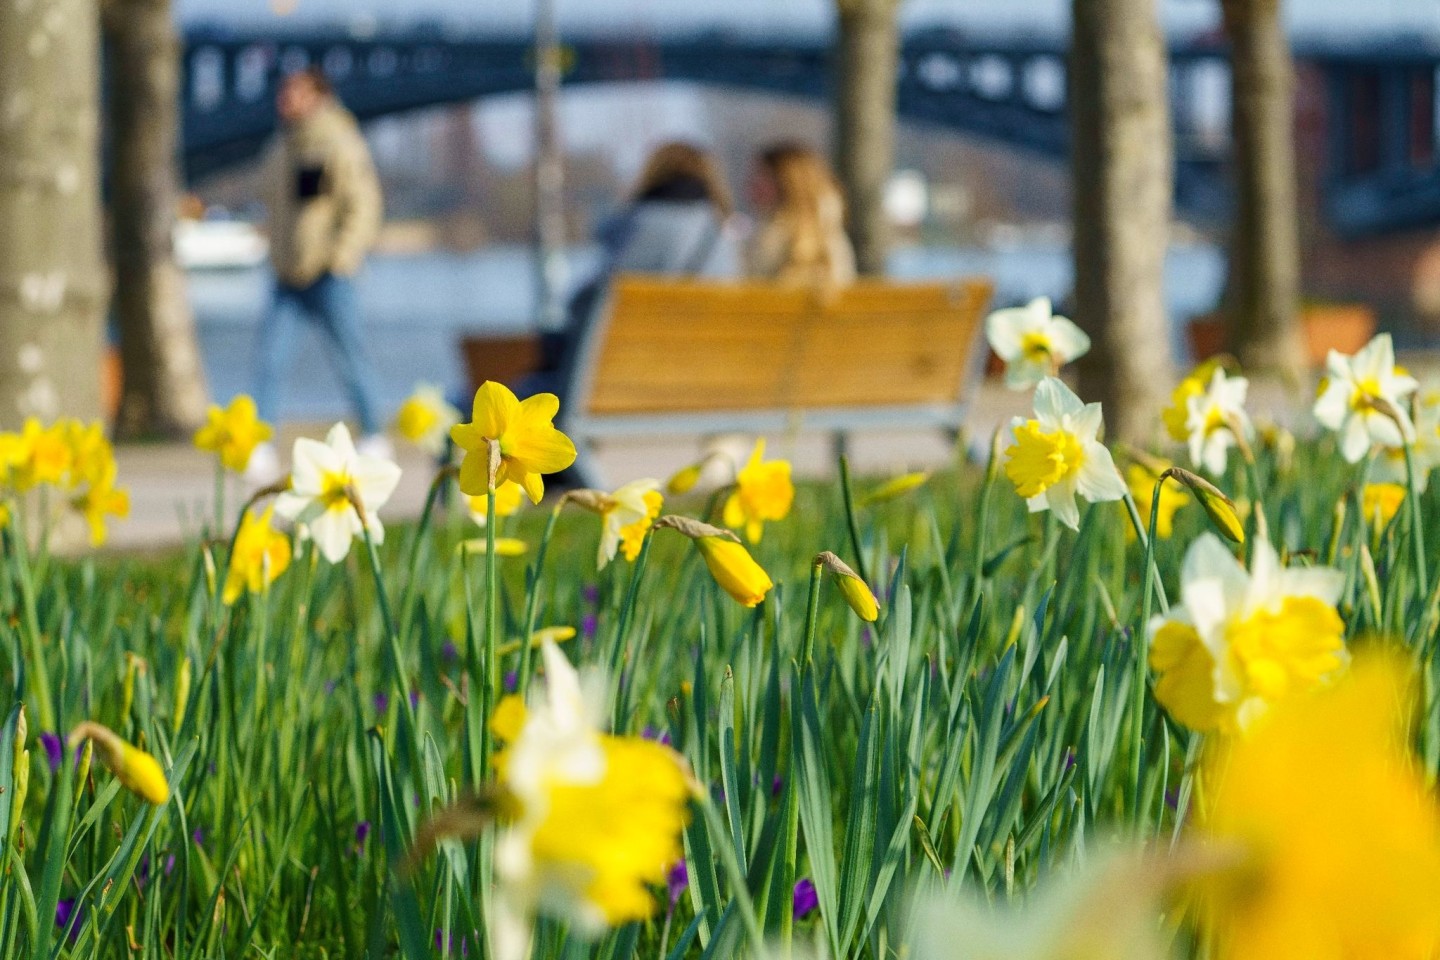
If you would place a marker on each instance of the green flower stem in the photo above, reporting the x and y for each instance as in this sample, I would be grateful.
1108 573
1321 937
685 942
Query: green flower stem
618 653
849 500
982 523
1141 531
1138 642
219 496
1417 525
532 602
812 611
20 552
407 602
410 729
491 679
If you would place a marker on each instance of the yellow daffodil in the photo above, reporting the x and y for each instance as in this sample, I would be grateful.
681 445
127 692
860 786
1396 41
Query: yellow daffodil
525 433
1057 454
508 498
895 487
425 419
38 455
1034 342
1239 642
1364 399
1336 831
1177 415
625 517
137 770
763 491
91 454
1140 478
323 479
102 499
597 818
1216 421
233 432
855 591
261 554
1379 503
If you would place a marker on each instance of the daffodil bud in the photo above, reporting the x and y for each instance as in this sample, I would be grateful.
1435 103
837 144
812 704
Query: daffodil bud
685 479
734 569
596 501
133 666
504 547
182 695
855 591
1218 507
20 784
207 559
543 635
22 733
137 770
895 487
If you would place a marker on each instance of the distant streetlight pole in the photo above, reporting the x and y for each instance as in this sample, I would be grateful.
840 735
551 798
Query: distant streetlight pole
550 266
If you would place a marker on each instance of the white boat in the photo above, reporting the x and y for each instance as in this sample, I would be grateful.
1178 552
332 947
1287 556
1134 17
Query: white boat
219 245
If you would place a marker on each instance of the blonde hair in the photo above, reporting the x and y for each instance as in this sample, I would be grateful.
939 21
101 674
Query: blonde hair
811 208
675 161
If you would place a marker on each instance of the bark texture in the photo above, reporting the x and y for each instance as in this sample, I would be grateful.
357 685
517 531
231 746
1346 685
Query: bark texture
1121 180
164 391
1262 296
52 282
867 65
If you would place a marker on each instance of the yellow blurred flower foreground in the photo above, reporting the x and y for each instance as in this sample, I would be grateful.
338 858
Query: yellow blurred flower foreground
1240 641
1339 837
425 419
597 818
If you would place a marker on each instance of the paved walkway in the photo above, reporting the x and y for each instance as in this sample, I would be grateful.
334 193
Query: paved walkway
171 485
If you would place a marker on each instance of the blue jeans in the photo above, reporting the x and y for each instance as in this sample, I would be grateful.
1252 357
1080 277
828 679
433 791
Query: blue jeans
331 304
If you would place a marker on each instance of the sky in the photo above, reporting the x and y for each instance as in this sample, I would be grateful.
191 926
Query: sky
1345 17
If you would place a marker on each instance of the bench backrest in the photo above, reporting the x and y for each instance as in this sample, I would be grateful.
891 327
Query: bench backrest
668 346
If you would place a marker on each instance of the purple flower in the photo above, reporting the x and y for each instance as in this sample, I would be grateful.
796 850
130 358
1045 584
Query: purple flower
777 785
591 593
169 864
54 750
446 942
414 699
198 836
382 702
657 734
330 686
362 830
676 881
589 626
512 681
806 900
449 652
69 915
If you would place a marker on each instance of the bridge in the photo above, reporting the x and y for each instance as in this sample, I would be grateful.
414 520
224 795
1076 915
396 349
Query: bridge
1381 169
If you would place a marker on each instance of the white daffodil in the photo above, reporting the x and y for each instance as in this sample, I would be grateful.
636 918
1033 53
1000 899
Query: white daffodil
1241 640
1212 419
627 515
1424 450
425 419
597 817
1057 454
1033 342
323 477
1363 399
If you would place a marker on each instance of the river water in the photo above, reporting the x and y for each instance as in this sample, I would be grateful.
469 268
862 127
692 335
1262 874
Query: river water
417 307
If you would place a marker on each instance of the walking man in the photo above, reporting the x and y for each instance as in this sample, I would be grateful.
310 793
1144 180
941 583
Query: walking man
324 209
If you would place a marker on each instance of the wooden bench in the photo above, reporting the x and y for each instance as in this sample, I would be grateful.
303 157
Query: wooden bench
691 357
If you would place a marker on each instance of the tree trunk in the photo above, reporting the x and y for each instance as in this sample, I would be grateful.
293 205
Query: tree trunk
867 65
1121 182
164 390
52 283
1262 296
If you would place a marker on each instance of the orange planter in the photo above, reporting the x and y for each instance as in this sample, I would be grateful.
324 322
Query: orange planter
1345 327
